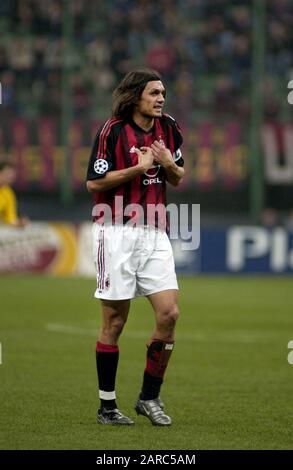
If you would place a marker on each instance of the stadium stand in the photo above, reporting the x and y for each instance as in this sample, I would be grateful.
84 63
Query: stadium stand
196 45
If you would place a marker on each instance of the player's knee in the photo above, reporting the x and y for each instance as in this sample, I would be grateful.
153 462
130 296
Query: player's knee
170 315
173 314
117 325
114 326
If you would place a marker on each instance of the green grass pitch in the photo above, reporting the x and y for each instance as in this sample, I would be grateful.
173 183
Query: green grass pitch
228 385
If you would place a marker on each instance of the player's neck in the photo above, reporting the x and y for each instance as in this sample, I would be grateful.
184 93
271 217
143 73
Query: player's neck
146 123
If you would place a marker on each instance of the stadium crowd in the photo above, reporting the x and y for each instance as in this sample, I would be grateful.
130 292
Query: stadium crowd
196 44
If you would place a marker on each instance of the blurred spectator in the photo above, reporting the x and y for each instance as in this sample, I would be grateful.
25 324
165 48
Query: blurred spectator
80 95
20 55
8 90
162 57
8 203
207 41
225 98
185 103
4 66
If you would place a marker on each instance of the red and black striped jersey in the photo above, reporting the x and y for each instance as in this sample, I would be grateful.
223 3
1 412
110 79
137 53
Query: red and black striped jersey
114 149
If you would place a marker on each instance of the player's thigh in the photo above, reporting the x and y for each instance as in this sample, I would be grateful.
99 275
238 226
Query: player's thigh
165 305
114 310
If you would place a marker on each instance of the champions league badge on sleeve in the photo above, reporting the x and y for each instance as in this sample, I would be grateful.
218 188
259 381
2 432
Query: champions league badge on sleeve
101 166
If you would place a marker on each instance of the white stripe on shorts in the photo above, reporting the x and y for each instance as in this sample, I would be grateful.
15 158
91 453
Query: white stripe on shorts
107 395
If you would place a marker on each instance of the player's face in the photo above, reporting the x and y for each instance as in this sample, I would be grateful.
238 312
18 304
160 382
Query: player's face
152 100
7 176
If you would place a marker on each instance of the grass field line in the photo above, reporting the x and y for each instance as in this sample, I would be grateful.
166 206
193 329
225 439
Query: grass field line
234 336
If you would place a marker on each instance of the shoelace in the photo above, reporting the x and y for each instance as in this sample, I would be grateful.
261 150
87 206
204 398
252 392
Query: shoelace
156 409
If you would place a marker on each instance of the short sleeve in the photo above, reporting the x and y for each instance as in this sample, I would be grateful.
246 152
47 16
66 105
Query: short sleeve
178 141
102 158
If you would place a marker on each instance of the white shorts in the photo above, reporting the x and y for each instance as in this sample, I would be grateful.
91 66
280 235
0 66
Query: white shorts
132 261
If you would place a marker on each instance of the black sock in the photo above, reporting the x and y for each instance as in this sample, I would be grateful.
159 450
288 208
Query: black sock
151 387
107 361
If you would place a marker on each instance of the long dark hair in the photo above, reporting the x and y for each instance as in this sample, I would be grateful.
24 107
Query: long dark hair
129 90
5 164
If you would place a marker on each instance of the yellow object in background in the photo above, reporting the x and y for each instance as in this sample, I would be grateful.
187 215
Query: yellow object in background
8 213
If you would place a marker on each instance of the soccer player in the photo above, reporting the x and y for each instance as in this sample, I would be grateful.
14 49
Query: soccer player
134 154
8 206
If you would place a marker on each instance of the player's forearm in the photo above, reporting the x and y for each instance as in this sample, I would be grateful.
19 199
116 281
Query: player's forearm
174 173
114 178
18 222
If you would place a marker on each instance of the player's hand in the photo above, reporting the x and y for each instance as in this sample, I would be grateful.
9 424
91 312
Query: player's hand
22 222
162 155
145 158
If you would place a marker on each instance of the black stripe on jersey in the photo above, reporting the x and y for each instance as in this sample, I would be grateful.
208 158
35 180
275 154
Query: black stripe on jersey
178 159
139 136
177 137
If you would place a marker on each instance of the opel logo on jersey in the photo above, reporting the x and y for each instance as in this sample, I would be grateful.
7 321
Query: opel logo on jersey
101 166
148 181
152 174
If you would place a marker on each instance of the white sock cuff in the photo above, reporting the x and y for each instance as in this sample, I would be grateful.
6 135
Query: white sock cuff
107 395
